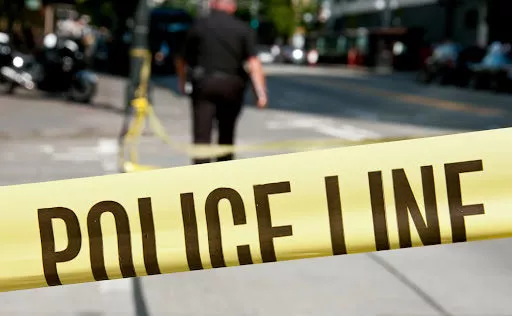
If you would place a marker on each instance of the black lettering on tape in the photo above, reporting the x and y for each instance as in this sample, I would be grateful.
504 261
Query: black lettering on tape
332 190
267 232
96 239
147 225
214 229
380 226
405 202
457 210
188 211
49 255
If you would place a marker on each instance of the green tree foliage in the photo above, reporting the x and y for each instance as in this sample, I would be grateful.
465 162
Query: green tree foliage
244 14
281 14
111 13
187 5
11 11
310 8
101 12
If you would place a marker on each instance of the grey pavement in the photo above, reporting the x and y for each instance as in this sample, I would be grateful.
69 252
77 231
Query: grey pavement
48 139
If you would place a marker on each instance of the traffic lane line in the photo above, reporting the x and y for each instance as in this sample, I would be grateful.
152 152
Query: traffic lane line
405 97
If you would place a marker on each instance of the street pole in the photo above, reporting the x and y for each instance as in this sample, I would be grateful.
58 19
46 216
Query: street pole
138 54
140 39
139 42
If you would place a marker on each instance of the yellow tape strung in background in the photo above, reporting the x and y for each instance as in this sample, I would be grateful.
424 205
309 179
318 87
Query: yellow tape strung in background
143 111
392 195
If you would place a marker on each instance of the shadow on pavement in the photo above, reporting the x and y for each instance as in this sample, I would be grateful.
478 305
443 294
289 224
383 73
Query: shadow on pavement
138 298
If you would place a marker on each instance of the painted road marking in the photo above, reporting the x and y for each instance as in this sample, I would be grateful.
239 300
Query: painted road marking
323 126
104 151
47 149
109 149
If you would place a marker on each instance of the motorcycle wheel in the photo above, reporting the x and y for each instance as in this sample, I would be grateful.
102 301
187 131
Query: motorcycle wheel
82 91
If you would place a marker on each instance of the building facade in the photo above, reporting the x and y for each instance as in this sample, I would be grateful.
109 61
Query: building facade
464 21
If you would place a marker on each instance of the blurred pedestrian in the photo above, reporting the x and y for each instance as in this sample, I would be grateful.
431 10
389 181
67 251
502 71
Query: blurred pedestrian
214 56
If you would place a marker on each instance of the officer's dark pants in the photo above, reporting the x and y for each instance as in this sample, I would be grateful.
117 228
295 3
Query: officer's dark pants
216 99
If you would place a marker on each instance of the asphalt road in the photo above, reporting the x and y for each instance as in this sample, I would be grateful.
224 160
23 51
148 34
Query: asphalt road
47 139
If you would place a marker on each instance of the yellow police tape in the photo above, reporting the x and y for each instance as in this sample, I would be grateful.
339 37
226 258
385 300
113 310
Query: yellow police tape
428 191
144 111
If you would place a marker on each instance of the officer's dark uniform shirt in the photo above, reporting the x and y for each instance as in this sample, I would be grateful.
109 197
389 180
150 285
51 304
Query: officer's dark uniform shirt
219 42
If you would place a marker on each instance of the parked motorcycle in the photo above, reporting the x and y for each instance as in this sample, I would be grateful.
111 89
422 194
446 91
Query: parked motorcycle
60 67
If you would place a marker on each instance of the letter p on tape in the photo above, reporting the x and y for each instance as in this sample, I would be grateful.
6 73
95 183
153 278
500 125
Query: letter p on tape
413 193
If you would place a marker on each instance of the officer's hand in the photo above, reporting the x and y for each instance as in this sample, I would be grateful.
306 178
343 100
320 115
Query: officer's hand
262 101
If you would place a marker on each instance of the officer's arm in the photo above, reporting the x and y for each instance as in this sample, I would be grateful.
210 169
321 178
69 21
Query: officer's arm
181 67
257 76
255 67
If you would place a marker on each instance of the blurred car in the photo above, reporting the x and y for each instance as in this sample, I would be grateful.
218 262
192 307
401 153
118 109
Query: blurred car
495 70
292 55
312 56
299 56
265 54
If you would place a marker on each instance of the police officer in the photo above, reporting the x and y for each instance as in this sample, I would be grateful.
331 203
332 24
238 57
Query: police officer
219 57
